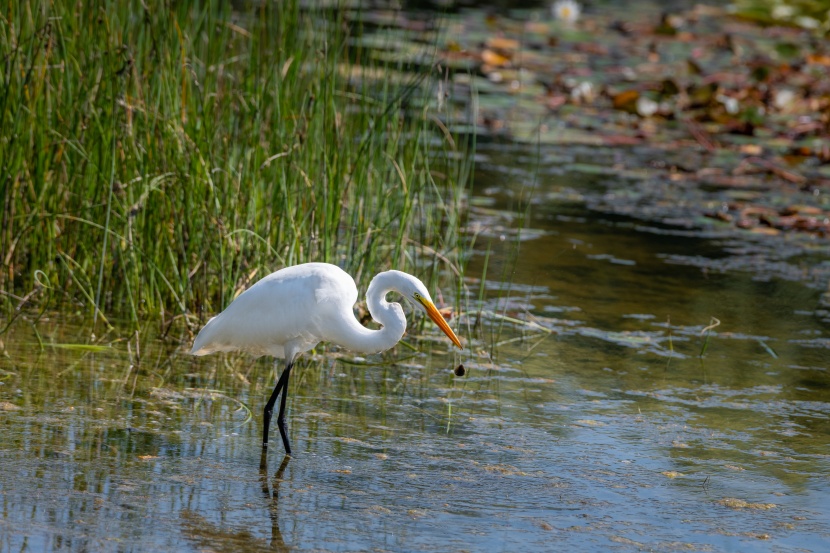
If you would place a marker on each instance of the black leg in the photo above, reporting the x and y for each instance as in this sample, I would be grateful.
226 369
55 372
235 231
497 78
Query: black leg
282 386
281 414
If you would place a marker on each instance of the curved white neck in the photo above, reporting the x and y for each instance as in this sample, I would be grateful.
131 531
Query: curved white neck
358 338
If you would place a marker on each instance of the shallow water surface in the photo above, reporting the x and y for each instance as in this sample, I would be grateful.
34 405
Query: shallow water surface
597 413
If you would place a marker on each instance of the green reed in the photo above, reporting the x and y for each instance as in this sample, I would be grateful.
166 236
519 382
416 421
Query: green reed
157 157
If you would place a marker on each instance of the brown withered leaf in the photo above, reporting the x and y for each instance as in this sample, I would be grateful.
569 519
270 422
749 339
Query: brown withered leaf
494 59
626 100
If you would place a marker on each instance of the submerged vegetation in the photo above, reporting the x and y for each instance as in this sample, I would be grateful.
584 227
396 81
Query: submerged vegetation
155 161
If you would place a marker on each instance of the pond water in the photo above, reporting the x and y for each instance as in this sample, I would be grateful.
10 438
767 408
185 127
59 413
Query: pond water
597 412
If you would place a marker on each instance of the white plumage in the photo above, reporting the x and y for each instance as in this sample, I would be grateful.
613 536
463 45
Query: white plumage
290 311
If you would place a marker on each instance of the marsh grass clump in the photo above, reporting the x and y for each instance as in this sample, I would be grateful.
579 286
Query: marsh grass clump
154 160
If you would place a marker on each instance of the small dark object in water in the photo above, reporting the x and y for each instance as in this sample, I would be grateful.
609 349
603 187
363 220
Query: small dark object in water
460 370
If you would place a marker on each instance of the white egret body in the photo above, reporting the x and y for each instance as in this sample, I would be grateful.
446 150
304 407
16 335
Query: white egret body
292 310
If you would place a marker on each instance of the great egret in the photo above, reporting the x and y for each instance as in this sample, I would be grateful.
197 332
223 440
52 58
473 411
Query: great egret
291 310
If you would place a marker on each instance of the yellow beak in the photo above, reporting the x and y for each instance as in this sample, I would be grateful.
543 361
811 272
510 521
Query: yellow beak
438 319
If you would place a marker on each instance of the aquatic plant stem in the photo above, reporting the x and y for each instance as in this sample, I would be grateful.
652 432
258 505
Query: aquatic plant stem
111 186
713 323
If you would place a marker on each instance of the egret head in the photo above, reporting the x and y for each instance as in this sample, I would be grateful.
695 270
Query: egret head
415 291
